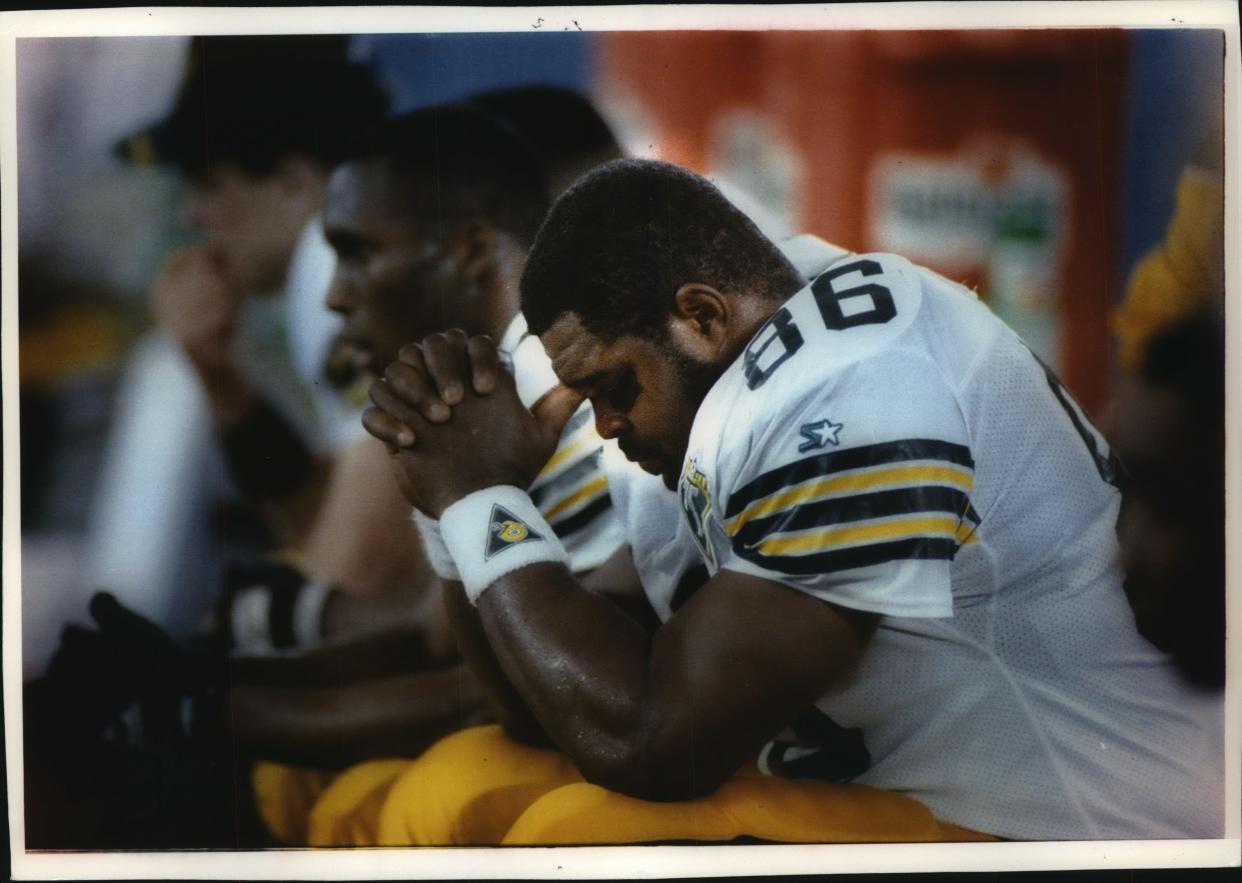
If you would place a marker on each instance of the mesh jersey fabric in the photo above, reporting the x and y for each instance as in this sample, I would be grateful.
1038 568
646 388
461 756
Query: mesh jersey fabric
929 468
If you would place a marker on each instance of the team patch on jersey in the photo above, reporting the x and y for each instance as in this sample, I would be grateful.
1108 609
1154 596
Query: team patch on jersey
696 505
506 531
857 507
819 434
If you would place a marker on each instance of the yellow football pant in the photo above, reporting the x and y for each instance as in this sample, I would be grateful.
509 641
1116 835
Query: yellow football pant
477 788
309 807
284 796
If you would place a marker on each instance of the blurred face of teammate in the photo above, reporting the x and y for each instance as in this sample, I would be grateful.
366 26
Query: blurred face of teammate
644 392
392 284
252 223
1169 531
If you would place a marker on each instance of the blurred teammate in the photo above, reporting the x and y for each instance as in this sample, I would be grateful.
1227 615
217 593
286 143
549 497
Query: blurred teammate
1185 272
359 522
430 220
1170 432
1168 421
909 530
256 126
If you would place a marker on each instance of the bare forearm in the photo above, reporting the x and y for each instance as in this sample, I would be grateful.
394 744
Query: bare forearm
395 652
580 663
351 617
506 702
390 717
667 715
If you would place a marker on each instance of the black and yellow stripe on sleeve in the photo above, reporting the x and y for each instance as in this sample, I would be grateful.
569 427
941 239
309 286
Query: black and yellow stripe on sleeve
573 492
907 499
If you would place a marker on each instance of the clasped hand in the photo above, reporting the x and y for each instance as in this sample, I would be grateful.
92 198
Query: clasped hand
194 302
449 413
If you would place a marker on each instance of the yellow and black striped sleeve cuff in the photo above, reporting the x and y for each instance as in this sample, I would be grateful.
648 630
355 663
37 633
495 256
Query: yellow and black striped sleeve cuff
907 499
572 491
576 499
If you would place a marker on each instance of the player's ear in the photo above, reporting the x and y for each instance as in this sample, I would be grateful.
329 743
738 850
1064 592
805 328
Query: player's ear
302 181
699 322
473 249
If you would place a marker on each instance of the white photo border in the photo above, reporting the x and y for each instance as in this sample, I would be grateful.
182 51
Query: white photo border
630 861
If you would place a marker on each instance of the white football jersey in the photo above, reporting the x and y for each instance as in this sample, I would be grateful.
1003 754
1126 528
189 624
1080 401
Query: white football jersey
572 490
664 554
667 560
886 444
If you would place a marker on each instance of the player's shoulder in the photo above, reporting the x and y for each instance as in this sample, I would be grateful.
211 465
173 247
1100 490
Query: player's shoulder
810 255
897 407
836 367
859 308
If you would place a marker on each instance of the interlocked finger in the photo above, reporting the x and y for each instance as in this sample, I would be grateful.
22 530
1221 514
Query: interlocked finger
445 358
399 409
415 388
388 429
484 363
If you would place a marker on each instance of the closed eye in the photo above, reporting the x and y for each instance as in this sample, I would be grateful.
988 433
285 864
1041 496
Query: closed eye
348 247
621 391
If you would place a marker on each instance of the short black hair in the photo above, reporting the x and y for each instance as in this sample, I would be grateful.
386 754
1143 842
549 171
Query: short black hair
562 126
254 100
455 164
617 246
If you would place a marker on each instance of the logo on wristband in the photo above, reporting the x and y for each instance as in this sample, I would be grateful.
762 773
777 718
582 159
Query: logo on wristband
506 531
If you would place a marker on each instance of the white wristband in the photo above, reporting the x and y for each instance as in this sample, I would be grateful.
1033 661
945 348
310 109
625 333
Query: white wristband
438 555
308 610
248 621
494 531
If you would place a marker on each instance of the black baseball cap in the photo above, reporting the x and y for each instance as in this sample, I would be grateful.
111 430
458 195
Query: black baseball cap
253 100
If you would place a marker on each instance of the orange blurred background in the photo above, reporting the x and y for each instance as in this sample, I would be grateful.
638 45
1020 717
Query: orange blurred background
991 156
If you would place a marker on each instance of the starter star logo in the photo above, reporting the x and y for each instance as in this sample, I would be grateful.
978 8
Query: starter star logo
819 434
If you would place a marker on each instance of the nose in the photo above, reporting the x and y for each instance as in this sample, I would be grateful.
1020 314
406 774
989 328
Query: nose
338 298
610 424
